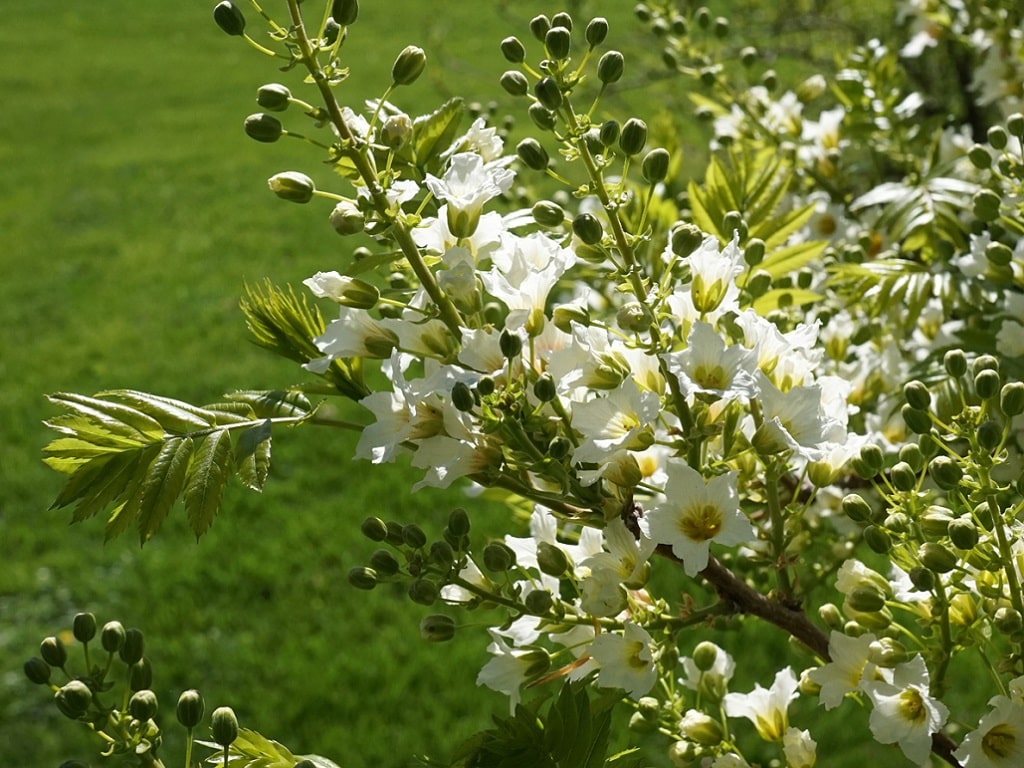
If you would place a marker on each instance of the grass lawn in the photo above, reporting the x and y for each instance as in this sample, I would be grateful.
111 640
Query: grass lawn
132 209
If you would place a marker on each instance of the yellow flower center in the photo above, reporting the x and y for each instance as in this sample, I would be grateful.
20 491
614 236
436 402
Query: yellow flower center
912 706
710 376
633 649
701 522
998 743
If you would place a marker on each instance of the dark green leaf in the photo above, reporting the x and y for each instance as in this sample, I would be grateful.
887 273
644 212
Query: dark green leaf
115 418
175 416
434 133
252 455
208 473
275 403
165 480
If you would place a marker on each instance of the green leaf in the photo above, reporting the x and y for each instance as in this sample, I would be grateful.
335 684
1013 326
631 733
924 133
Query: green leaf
782 298
252 750
434 133
252 455
174 416
791 258
208 473
165 480
275 403
117 419
129 501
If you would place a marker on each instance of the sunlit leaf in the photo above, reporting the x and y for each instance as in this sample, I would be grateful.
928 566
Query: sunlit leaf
211 466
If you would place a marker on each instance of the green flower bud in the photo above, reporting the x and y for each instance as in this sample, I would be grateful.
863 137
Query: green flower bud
990 435
655 165
562 19
37 671
548 93
986 205
987 383
935 520
770 80
903 476
53 652
551 559
510 344
701 728
919 422
748 56
917 395
383 562
922 578
274 97
513 50
955 363
229 18
544 388
831 616
538 602
112 636
998 254
608 133
587 228
441 553
759 283
1008 620
610 67
685 239
332 30
83 627
374 529
855 508
633 137
485 386
458 522
437 628
559 448
597 31
298 188
631 318
408 66
897 522
143 705
936 557
532 154
548 214
498 557
224 726
423 592
362 578
557 42
963 533
413 536
912 455
346 218
998 137
132 649
396 131
73 699
705 655
887 653
542 117
263 127
980 157
462 397
190 708
877 539
515 83
864 598
539 26
140 674
945 472
1011 398
345 12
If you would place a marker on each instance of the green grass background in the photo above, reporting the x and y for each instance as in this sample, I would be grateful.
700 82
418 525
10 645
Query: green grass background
132 209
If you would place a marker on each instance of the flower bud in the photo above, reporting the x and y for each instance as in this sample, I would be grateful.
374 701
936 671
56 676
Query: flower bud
345 12
542 117
919 422
856 508
112 636
437 628
548 214
140 675
362 578
37 671
597 31
633 136
955 363
705 655
510 344
986 205
73 699
990 435
887 653
190 708
903 476
538 602
383 562
143 705
700 728
557 42
631 318
963 533
132 649
917 395
759 283
458 522
865 598
515 83
1008 620
987 383
539 26
274 97
224 726
548 93
374 529
922 578
462 397
263 127
610 67
946 472
936 557
587 228
396 131
544 388
562 19
877 539
1011 398
831 616
655 165
559 447
229 18
498 557
998 137
408 66
551 559
685 239
513 50
532 154
423 592
413 536
441 554
53 652
295 187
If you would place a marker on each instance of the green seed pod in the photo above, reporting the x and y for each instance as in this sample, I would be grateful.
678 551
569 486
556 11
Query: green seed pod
73 699
224 726
112 636
143 705
548 93
345 12
865 599
383 562
608 133
408 66
990 435
437 628
515 83
922 578
917 395
685 239
1011 398
295 187
913 456
551 559
510 344
229 18
963 533
986 205
544 388
83 627
423 592
980 157
362 578
458 522
374 529
140 675
610 67
532 154
548 214
877 539
539 26
53 652
557 42
562 19
263 127
903 476
955 363
513 50
919 422
413 536
633 137
190 708
274 97
987 383
538 602
37 671
542 117
935 520
855 508
946 472
132 649
998 137
498 557
597 31
705 655
1008 620
655 165
587 228
462 397
936 557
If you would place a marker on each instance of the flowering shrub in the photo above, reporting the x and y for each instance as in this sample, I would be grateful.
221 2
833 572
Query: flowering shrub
795 381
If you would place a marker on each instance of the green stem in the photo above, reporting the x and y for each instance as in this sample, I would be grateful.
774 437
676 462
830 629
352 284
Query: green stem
188 749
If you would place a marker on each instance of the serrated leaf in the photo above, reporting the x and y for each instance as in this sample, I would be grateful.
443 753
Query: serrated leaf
175 416
116 418
252 455
208 473
76 448
434 133
127 509
165 480
275 403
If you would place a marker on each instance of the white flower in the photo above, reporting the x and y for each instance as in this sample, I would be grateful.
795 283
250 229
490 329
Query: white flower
714 273
844 673
525 271
766 708
509 668
622 419
998 741
466 186
707 367
904 712
694 513
626 660
799 748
